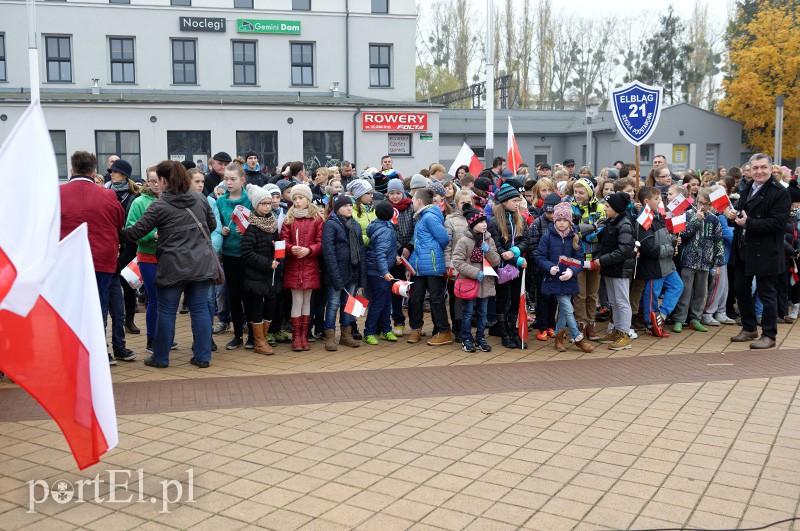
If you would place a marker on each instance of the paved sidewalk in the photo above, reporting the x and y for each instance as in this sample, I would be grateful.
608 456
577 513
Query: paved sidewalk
509 440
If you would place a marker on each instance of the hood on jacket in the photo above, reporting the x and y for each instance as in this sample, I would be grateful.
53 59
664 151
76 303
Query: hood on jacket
181 200
377 225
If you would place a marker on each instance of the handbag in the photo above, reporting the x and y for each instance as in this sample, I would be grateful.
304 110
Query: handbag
220 272
466 288
506 273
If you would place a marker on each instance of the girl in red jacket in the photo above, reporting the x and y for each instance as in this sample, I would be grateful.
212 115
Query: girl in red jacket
302 232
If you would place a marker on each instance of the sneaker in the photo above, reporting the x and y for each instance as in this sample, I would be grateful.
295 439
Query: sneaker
125 355
399 330
483 345
184 309
149 347
111 360
542 335
677 327
213 345
371 339
657 327
622 342
234 343
357 335
389 336
221 327
441 338
200 364
468 346
281 337
722 318
174 345
709 320
697 325
150 362
632 334
551 333
415 336
638 322
271 340
793 311
250 343
609 338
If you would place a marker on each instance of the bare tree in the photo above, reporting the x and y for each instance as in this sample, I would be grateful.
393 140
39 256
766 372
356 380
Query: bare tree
564 44
465 39
591 60
543 50
702 63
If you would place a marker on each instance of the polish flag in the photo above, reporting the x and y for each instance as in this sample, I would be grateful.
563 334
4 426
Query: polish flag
514 158
408 265
678 205
466 156
661 209
676 224
488 270
645 219
395 216
240 218
29 240
132 275
522 314
719 200
570 262
794 278
280 249
356 306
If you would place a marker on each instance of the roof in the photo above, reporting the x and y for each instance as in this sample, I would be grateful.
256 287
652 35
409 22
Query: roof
473 121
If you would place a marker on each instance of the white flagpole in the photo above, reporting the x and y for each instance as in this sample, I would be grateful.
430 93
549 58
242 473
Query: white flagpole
33 51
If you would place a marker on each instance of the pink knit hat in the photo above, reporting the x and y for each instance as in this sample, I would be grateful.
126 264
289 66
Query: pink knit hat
562 211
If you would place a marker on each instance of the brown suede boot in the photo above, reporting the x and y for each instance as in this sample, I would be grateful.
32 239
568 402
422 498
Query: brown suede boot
305 322
590 332
330 341
297 333
260 338
584 344
559 340
347 338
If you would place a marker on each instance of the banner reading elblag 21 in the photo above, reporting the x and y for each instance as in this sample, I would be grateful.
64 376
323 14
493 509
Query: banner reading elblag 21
636 109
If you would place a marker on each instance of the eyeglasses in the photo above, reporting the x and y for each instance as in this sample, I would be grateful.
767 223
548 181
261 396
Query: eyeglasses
704 203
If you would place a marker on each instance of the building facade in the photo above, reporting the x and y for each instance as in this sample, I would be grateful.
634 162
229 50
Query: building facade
313 80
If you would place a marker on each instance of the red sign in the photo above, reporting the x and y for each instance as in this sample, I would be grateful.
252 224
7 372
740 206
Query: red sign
394 121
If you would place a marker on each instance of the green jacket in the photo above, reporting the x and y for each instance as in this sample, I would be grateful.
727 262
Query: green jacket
367 216
147 244
232 243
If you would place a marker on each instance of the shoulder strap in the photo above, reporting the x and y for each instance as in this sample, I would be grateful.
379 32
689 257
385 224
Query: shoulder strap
202 228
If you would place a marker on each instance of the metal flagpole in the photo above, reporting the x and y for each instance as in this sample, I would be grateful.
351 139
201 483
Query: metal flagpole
33 51
489 151
638 177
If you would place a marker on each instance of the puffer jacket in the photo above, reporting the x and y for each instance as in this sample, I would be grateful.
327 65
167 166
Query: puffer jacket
702 246
516 242
551 248
456 226
727 235
184 255
232 243
585 217
302 273
617 255
382 248
462 254
656 251
430 239
366 217
258 252
533 235
339 272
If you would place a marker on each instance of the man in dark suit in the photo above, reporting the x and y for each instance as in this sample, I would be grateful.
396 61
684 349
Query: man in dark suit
760 216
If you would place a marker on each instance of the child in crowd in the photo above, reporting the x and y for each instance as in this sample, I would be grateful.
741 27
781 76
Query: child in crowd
545 304
557 250
588 215
702 251
456 226
467 181
469 252
714 313
363 213
381 255
792 247
616 262
404 232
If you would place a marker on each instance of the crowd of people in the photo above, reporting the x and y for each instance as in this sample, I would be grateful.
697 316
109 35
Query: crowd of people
278 256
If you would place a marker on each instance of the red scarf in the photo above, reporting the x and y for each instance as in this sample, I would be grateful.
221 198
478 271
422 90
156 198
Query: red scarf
403 204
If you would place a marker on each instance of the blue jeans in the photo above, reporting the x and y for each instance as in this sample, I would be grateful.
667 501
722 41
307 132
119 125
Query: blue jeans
196 298
116 307
671 286
223 303
478 307
566 315
380 307
148 272
335 299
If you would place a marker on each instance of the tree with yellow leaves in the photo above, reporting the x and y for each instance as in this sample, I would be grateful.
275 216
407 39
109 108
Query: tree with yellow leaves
764 63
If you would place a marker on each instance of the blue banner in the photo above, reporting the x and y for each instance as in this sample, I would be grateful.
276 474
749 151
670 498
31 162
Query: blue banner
636 108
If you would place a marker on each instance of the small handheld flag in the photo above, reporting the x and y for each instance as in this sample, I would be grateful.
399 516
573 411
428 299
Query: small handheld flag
356 306
522 313
240 218
280 249
678 205
408 265
719 200
488 270
645 219
132 275
570 262
677 224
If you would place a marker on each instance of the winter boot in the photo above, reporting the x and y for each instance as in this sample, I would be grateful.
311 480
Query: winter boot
583 343
260 340
559 340
297 333
347 338
513 333
330 341
502 329
305 322
590 332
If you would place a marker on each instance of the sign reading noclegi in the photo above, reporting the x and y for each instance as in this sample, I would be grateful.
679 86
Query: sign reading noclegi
202 24
636 109
394 121
282 27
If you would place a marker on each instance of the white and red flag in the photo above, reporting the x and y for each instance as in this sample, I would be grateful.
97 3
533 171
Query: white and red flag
466 157
240 217
355 305
661 209
408 265
522 314
676 224
514 159
794 278
488 270
570 262
645 219
280 249
132 274
678 205
719 200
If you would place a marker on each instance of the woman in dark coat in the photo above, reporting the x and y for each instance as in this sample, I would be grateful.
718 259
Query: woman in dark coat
186 261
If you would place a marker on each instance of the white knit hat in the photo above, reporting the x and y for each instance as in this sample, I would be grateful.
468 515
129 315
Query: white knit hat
256 194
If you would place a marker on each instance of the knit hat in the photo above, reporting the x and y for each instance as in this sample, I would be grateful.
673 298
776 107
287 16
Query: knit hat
304 190
618 201
384 210
256 194
483 184
506 192
551 201
586 183
340 201
437 188
249 154
360 187
395 185
418 181
612 173
221 186
794 191
473 215
283 184
272 189
369 172
188 164
518 183
562 211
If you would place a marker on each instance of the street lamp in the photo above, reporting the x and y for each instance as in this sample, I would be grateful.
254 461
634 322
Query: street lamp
591 112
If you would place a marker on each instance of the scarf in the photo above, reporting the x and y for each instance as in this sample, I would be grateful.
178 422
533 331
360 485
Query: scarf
403 204
563 234
299 213
476 256
266 223
122 186
355 242
539 203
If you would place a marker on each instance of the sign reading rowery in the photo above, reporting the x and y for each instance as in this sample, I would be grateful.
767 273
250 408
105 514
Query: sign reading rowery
202 24
285 27
394 121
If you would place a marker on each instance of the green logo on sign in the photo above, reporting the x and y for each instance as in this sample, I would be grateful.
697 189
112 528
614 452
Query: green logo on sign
285 27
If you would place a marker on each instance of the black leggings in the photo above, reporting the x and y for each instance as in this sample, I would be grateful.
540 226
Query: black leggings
261 308
234 276
507 300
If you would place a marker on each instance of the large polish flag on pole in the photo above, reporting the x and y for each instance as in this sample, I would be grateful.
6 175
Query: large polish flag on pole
52 342
466 157
514 159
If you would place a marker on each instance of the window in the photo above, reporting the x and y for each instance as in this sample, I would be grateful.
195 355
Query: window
380 68
264 143
646 152
59 140
322 148
380 6
2 57
119 1
399 145
301 5
243 4
180 2
244 62
122 63
189 145
303 64
184 62
124 144
59 59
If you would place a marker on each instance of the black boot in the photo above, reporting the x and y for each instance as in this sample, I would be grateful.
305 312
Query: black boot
511 326
506 340
354 332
